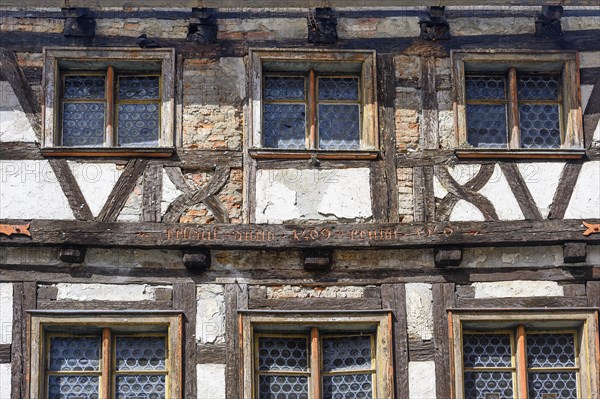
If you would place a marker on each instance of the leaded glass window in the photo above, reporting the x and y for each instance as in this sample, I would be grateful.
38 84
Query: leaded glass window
520 110
136 365
312 111
492 366
287 366
108 108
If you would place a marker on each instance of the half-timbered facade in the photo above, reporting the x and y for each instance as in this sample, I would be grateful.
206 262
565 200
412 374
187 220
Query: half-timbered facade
300 199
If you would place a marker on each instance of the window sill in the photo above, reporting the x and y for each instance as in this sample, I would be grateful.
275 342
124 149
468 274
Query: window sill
154 152
274 153
499 153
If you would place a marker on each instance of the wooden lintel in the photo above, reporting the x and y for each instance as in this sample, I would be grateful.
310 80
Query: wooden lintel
257 236
574 252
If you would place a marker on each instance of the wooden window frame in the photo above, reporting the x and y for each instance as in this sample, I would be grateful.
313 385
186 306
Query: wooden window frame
315 326
103 61
584 322
362 60
111 324
511 62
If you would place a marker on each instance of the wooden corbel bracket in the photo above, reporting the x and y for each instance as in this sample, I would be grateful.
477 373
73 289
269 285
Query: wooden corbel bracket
10 229
591 229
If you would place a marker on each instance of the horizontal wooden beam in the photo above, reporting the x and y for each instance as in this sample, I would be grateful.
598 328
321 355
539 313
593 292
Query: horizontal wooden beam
256 236
133 4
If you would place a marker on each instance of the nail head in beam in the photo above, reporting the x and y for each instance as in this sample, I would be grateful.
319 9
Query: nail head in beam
197 260
320 259
574 252
447 256
72 254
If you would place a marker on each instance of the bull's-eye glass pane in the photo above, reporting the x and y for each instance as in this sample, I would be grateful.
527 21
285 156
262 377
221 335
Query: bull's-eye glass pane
84 87
284 126
282 387
282 354
487 350
537 88
485 88
73 387
284 88
138 88
559 385
488 384
138 125
339 126
338 89
351 386
540 125
141 386
550 350
83 124
140 353
74 354
486 125
347 353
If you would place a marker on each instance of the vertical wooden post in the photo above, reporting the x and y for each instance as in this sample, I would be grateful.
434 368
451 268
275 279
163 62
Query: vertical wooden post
312 111
521 363
514 139
110 107
315 364
106 362
184 299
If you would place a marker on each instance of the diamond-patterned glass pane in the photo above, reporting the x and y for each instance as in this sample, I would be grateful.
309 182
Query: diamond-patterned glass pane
537 88
540 125
347 353
351 386
74 354
563 384
550 350
138 125
140 353
84 87
283 88
138 88
282 387
486 125
485 88
83 124
338 89
339 126
141 387
282 354
284 126
487 350
478 384
73 387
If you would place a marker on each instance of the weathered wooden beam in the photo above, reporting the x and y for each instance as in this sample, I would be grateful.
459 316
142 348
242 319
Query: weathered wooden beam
72 254
316 303
393 297
574 252
122 189
365 235
152 193
317 259
523 302
564 190
4 353
197 259
106 305
211 354
15 76
520 191
591 115
593 293
24 299
236 298
71 189
420 351
443 299
291 3
184 299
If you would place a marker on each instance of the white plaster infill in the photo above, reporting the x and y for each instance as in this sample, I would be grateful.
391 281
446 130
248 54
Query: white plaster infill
517 288
6 313
419 311
105 292
421 380
210 314
211 381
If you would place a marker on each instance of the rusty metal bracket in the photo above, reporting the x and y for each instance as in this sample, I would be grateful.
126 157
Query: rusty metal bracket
591 228
10 229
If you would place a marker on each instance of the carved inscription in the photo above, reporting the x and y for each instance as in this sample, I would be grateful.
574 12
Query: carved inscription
333 234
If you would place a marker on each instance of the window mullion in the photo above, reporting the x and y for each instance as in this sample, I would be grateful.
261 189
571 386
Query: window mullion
521 363
312 110
106 364
315 362
514 131
109 139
